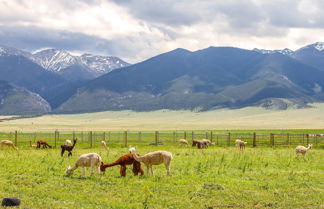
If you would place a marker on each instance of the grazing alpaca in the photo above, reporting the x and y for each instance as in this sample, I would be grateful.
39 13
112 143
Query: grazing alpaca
104 145
153 158
303 150
68 148
8 144
200 143
124 160
32 145
240 143
183 142
43 143
68 142
208 141
86 160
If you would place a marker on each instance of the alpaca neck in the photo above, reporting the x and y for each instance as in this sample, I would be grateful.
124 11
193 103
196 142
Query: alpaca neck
137 158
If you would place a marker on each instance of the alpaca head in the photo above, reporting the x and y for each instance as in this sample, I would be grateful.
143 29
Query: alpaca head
132 150
245 143
69 170
102 167
310 146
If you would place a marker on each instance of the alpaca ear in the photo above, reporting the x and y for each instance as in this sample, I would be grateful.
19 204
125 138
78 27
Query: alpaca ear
69 167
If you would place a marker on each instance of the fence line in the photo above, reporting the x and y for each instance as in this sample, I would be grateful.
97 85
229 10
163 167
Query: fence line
125 138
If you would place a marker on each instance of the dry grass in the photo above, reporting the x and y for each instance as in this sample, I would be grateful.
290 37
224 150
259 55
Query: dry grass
246 118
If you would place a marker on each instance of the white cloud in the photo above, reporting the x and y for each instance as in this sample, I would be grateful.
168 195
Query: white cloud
139 29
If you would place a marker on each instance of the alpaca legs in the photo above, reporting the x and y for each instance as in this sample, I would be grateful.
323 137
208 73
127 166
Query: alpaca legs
83 169
123 170
70 154
151 170
167 166
147 170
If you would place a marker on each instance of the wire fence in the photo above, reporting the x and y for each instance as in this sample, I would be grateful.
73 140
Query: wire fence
125 138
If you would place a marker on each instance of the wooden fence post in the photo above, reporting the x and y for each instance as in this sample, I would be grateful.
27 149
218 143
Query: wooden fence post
192 135
125 138
104 136
211 136
90 138
288 140
16 138
307 138
55 138
185 135
229 139
156 137
271 140
254 139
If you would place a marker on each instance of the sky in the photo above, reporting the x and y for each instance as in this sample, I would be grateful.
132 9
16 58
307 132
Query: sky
135 30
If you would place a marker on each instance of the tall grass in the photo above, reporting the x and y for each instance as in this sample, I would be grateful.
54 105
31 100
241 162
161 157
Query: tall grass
210 178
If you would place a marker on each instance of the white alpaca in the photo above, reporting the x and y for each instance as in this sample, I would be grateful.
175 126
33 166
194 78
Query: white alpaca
153 158
86 160
68 143
302 150
104 145
183 142
208 141
241 144
8 144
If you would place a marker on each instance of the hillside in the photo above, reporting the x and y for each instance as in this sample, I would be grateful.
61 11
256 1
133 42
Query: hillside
206 79
19 101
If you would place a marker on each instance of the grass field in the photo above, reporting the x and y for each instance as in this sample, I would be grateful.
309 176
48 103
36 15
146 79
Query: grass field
211 178
223 119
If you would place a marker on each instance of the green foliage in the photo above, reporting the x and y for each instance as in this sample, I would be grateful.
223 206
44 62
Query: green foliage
210 178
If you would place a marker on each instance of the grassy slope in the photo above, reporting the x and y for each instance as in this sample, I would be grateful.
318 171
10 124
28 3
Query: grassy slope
246 118
216 177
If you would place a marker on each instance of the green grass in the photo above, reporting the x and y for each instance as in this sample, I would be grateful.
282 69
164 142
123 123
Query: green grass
211 178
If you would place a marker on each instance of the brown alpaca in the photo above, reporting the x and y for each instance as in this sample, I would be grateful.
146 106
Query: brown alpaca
68 148
43 143
8 144
124 160
200 143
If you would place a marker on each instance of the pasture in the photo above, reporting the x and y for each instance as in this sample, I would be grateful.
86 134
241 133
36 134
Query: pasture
217 177
249 118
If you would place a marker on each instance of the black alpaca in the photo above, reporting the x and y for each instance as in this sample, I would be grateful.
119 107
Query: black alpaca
68 148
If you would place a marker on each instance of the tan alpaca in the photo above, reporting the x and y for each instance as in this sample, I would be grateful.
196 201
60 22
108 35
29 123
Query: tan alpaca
104 145
86 160
241 144
32 145
153 158
8 144
303 150
208 141
68 142
183 142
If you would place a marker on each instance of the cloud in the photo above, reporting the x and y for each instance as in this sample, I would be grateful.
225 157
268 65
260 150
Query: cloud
138 29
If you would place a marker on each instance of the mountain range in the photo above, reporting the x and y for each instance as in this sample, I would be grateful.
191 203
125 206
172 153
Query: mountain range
180 79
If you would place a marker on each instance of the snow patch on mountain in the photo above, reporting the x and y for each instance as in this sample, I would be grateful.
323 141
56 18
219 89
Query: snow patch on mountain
281 51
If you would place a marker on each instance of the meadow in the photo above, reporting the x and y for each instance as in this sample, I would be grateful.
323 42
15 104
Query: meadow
249 118
217 177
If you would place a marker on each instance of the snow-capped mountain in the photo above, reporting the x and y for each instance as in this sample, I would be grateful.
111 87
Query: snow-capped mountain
58 60
4 50
55 60
285 51
102 64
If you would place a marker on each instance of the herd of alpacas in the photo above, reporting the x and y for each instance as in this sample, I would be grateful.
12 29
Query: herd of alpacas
94 161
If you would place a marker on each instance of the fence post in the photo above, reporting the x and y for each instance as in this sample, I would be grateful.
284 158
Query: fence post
192 135
16 138
139 136
288 140
104 136
211 136
90 138
307 138
271 140
58 136
156 137
229 139
55 138
254 139
125 138
185 135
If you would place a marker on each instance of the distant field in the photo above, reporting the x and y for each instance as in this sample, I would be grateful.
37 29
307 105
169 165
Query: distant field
250 118
211 178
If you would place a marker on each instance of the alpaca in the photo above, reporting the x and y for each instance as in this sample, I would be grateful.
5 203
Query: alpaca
302 150
43 143
208 141
153 158
68 148
8 144
104 145
240 143
86 160
200 143
68 142
183 142
32 145
124 160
